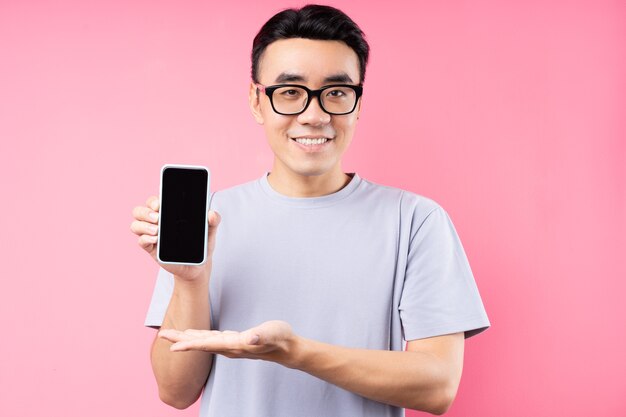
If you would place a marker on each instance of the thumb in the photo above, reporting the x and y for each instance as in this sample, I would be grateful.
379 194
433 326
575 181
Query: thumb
269 333
254 336
254 339
214 218
214 221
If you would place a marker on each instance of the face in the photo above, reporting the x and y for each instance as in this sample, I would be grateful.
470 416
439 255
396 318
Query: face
314 64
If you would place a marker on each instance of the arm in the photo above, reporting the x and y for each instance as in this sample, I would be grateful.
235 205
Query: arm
180 378
425 377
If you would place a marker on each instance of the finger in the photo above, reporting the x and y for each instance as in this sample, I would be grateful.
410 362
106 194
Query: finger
268 333
214 221
184 347
194 332
251 337
145 214
211 341
144 228
153 203
213 344
214 218
147 242
237 340
188 335
173 335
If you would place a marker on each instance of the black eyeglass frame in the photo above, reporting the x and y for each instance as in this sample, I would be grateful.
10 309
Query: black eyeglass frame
269 91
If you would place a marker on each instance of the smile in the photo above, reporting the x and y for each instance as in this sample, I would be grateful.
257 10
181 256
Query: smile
311 141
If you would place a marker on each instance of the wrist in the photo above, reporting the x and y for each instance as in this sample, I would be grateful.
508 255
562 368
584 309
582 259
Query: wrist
297 351
194 275
200 282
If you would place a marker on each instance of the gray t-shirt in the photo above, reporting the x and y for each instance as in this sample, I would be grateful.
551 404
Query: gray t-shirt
366 267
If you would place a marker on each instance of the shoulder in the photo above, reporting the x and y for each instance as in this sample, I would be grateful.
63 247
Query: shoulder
409 203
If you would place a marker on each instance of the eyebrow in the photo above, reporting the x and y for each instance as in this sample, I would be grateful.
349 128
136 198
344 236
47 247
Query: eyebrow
287 77
339 78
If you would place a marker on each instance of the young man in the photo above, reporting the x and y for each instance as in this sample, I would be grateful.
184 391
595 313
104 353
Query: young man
317 274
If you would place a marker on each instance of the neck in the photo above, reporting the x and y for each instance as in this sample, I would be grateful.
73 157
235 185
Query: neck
292 184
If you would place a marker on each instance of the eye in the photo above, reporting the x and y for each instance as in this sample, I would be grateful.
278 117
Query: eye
336 93
291 93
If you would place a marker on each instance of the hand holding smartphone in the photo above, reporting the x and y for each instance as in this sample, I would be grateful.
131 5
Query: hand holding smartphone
183 222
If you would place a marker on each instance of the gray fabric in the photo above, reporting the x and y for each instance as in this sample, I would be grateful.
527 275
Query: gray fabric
365 267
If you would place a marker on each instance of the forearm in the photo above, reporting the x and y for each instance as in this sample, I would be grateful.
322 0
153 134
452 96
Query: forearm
181 376
413 380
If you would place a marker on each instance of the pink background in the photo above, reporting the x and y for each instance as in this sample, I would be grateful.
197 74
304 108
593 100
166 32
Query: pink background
509 114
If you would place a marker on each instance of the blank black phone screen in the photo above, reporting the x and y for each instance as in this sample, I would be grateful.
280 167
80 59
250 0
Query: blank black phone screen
183 215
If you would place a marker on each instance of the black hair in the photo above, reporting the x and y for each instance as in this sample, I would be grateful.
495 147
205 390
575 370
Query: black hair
311 22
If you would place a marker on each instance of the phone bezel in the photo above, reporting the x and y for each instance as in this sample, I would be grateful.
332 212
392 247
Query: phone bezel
206 213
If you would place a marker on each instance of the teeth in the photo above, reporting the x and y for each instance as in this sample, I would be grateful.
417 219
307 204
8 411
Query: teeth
308 141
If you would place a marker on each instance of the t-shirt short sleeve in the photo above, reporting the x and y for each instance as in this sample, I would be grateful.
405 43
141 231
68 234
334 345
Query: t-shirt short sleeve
160 298
439 294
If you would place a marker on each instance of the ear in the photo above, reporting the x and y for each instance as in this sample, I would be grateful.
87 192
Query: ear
254 98
358 108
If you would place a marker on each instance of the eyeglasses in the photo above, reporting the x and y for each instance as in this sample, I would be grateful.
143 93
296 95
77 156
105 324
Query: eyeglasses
292 99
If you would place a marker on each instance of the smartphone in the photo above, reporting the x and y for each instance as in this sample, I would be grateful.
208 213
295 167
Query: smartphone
183 218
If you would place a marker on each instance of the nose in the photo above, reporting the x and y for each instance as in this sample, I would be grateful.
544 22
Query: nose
314 115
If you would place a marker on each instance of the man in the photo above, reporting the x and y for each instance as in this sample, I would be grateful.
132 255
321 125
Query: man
314 276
